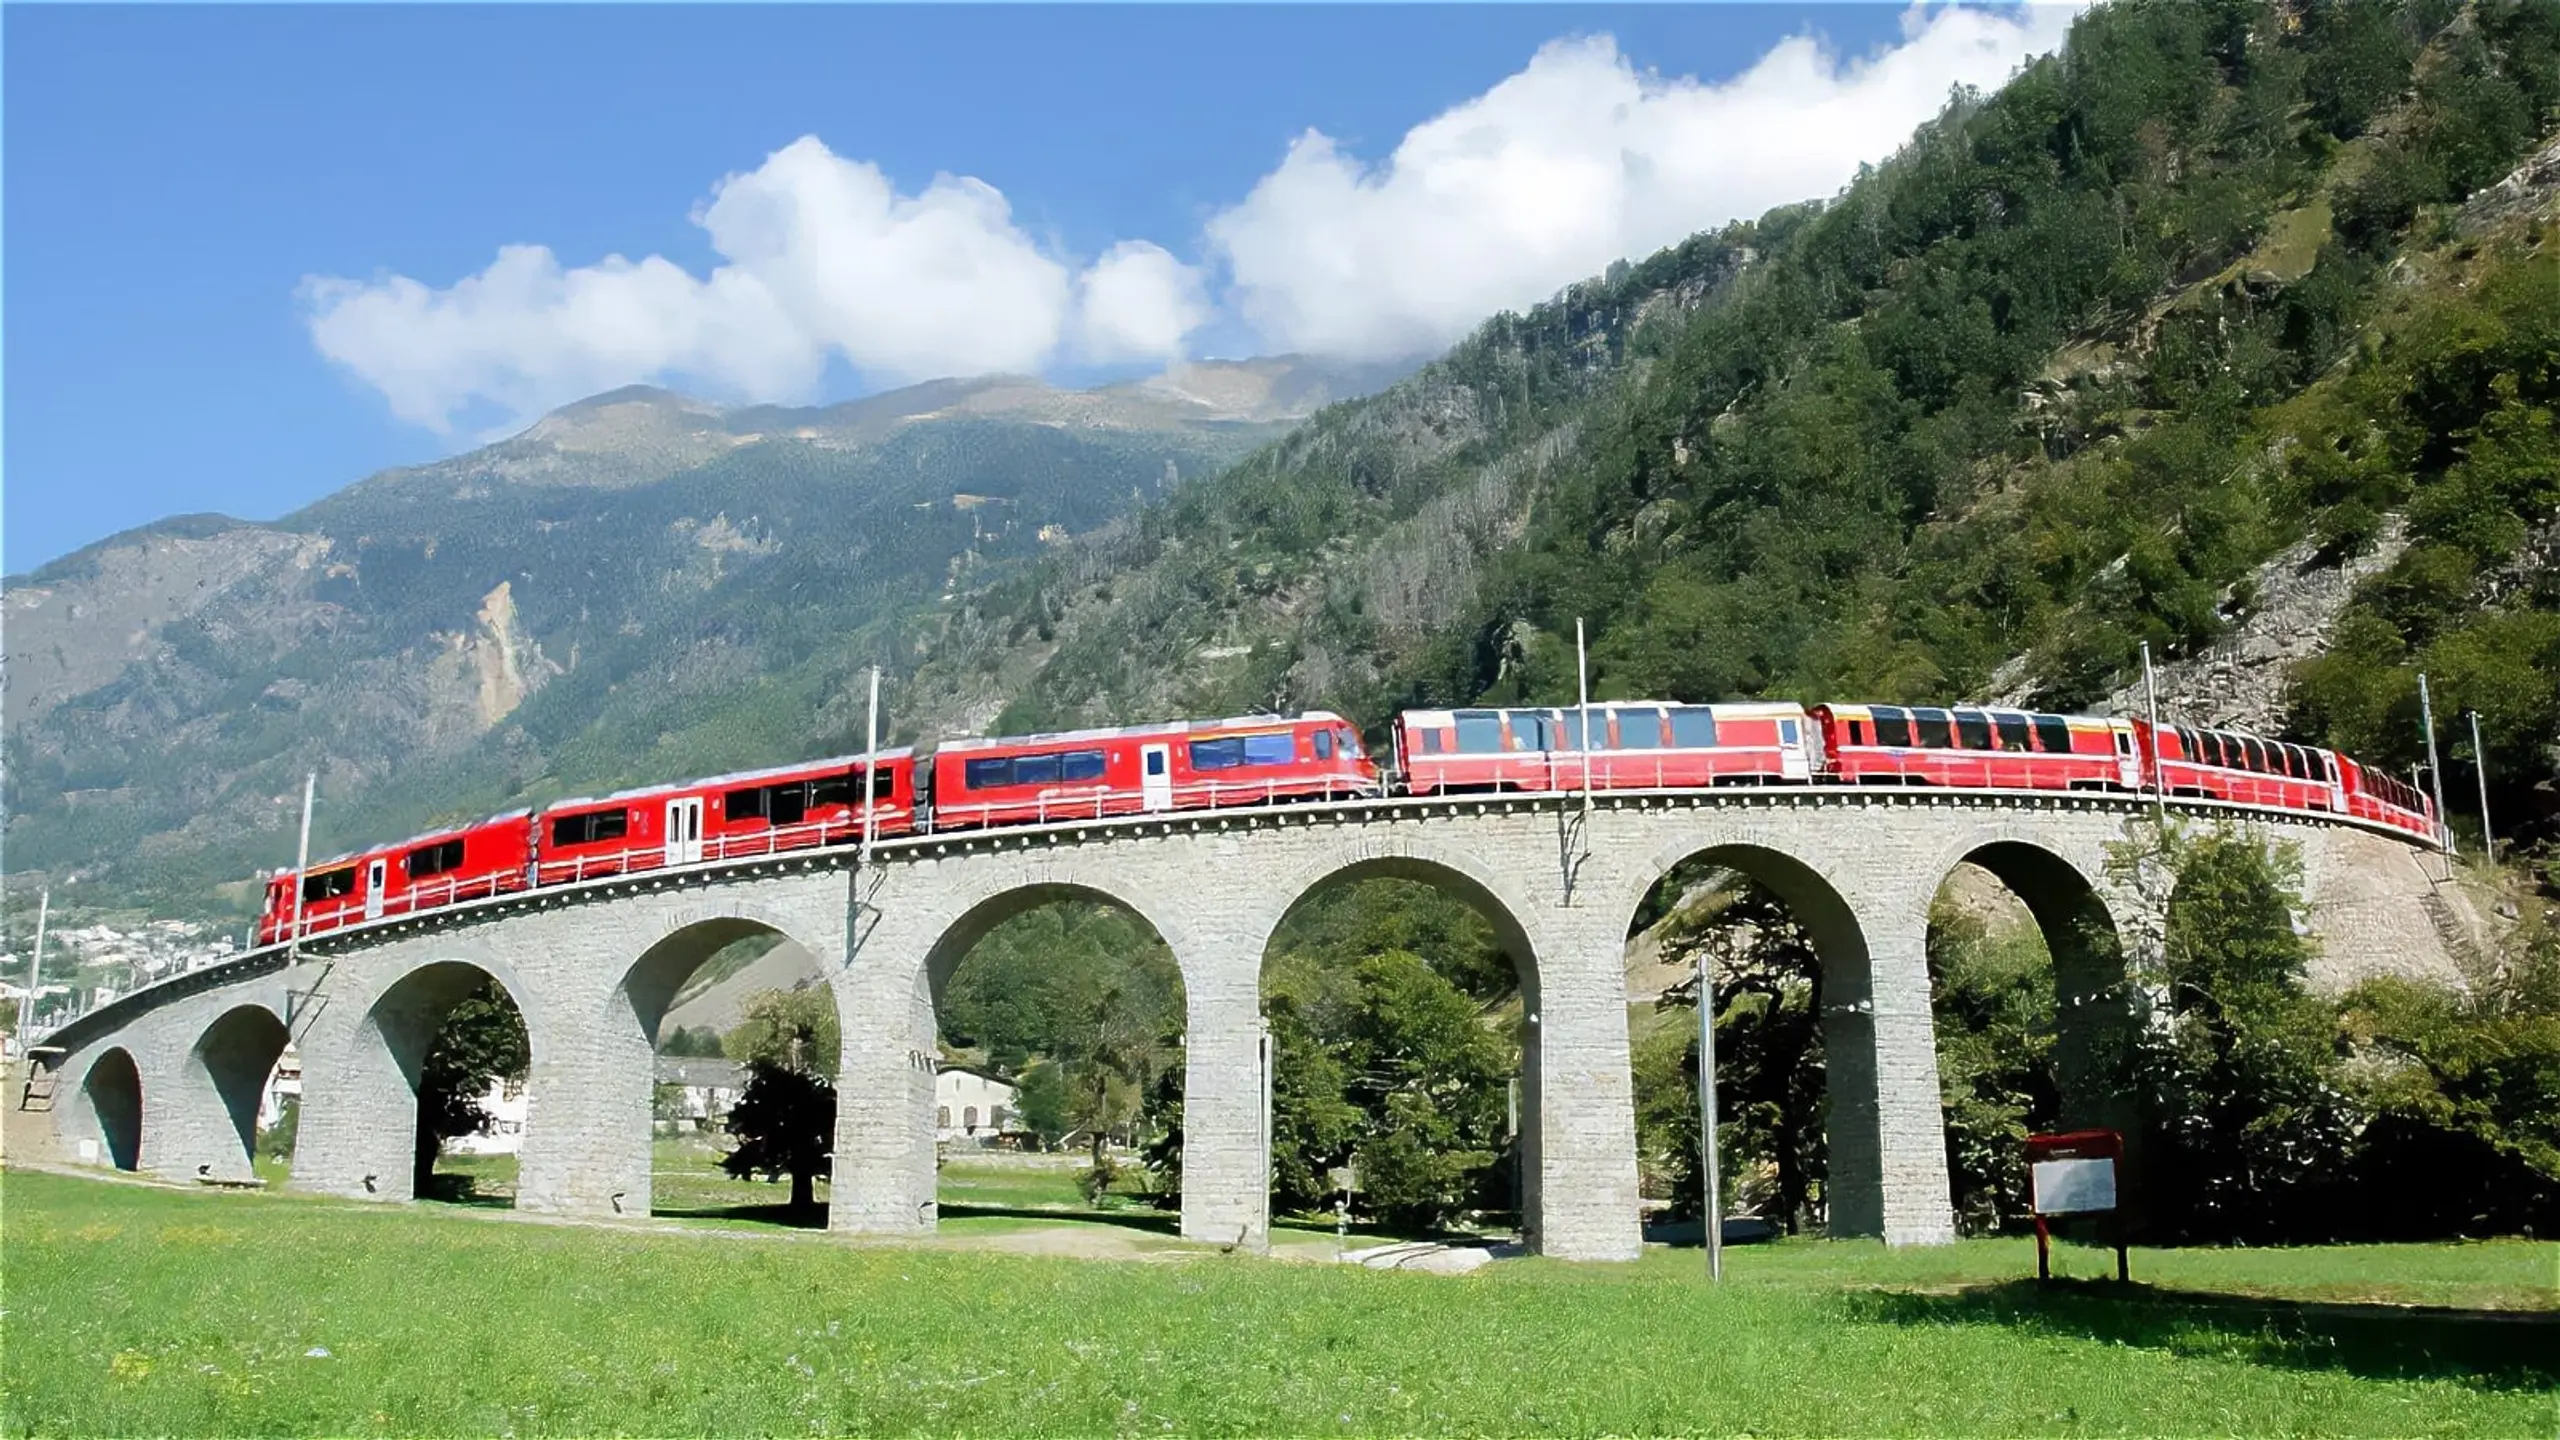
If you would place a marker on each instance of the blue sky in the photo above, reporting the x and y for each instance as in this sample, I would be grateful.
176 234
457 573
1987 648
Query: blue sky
175 178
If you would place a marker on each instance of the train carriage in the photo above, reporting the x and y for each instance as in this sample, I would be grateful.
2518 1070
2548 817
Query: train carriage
1636 745
1976 747
755 812
440 867
2377 795
2235 765
1189 764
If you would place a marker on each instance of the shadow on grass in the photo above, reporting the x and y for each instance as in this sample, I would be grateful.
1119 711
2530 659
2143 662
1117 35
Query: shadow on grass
445 1187
2490 1349
782 1214
1160 1222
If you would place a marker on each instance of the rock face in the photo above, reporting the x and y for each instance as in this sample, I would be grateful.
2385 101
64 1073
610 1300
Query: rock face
2241 682
641 585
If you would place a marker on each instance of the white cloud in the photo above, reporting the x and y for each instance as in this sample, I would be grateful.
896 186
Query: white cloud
1549 176
1137 303
823 255
1574 162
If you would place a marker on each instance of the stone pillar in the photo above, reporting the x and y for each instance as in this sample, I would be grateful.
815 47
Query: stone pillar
358 1129
1577 1094
884 1172
586 1126
1887 1128
1225 1182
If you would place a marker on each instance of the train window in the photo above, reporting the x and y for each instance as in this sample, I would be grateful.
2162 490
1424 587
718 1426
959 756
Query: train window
884 782
1035 769
1893 727
329 884
2255 751
745 804
992 773
1934 729
1224 754
1973 730
1857 732
1693 727
1324 744
1428 741
831 790
1565 731
1280 749
1479 732
433 859
787 804
590 827
2053 733
1080 765
1350 745
1640 730
2012 730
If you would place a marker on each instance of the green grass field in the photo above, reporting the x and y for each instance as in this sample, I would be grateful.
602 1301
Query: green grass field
139 1309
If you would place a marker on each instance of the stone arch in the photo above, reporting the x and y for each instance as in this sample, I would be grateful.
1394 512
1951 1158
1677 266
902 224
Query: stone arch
224 1080
360 1099
962 936
1460 875
113 1090
1853 1190
627 1034
2079 917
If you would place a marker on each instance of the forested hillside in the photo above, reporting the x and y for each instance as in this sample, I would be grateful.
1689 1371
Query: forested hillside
2060 378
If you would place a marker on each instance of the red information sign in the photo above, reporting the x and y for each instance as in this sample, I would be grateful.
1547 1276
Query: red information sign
2074 1173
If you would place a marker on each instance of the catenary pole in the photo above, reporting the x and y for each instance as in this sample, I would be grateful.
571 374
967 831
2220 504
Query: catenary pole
1582 682
2480 766
2435 773
1712 1212
2151 712
870 761
302 860
35 964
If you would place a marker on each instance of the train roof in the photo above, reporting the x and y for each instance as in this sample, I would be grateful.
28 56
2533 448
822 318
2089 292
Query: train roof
737 777
1125 732
1861 707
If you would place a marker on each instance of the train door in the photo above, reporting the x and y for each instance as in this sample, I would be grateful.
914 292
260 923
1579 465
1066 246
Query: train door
684 830
2128 764
1794 763
1155 777
377 872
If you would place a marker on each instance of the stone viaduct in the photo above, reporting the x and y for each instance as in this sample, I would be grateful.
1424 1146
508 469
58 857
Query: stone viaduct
168 1080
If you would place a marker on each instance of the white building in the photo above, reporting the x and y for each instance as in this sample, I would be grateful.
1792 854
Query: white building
503 1132
284 1084
697 1092
973 1105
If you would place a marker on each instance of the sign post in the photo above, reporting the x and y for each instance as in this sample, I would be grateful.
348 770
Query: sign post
2074 1173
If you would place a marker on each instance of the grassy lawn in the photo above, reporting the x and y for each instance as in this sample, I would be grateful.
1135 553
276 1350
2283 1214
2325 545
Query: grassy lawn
132 1309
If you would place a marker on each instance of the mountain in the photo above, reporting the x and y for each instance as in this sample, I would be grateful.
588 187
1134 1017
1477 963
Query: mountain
2229 331
640 585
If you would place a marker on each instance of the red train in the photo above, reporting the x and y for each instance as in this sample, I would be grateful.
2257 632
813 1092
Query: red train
1316 757
1188 764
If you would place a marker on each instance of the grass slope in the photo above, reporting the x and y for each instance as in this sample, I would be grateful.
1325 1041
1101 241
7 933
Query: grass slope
138 1309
